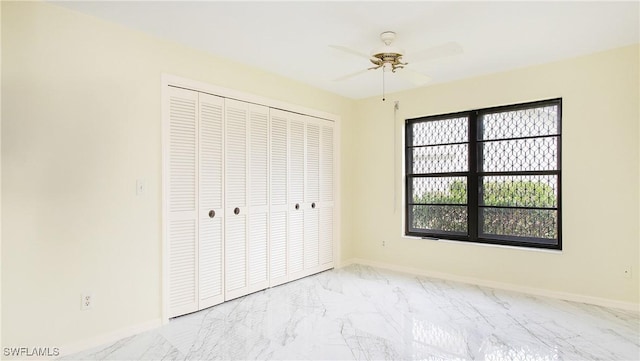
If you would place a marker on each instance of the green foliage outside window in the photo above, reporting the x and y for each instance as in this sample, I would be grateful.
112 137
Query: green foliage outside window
452 215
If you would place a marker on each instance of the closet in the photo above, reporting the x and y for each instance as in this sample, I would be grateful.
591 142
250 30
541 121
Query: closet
248 198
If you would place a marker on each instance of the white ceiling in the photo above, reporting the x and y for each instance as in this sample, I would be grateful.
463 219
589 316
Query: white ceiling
292 38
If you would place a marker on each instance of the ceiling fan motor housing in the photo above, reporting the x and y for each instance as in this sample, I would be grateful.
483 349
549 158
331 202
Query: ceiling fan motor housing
388 54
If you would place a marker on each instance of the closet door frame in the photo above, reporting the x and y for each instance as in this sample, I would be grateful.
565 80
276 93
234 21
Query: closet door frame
168 80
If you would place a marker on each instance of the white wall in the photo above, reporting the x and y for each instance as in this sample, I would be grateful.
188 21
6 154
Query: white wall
600 156
82 122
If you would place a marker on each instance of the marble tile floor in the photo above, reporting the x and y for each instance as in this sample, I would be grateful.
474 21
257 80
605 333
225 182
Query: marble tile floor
364 313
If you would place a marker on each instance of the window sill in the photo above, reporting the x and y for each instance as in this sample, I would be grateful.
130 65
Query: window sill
543 250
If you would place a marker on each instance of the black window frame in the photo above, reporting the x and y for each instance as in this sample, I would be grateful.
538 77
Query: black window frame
474 177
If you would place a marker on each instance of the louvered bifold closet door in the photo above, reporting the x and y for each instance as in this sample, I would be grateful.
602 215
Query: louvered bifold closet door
312 196
278 196
236 189
326 194
182 223
211 233
296 224
258 210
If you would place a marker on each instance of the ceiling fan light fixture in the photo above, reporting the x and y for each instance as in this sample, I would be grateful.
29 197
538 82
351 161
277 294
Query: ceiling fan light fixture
388 54
393 59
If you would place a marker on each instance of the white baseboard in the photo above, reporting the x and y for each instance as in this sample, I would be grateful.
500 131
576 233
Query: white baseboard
109 337
628 306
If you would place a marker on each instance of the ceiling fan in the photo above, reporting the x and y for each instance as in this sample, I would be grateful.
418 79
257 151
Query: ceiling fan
389 58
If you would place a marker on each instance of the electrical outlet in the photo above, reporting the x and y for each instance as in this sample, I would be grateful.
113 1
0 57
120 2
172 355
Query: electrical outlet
384 244
627 272
87 300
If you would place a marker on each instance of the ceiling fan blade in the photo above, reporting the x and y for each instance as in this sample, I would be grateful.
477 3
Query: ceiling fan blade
413 76
440 51
350 51
349 76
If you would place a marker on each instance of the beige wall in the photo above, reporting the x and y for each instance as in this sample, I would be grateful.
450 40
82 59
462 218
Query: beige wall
600 156
81 122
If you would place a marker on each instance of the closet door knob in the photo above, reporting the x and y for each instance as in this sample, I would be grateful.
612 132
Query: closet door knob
297 206
212 213
236 210
313 205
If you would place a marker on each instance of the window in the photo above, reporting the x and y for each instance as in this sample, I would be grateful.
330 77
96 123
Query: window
487 175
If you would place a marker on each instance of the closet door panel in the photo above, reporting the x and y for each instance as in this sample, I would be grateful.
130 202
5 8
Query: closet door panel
296 197
211 232
182 222
326 237
258 244
296 244
326 194
211 272
312 177
312 196
326 163
278 196
296 160
258 251
311 236
259 156
183 281
278 249
236 153
279 158
236 127
235 256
